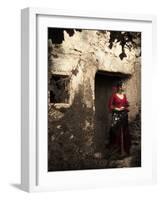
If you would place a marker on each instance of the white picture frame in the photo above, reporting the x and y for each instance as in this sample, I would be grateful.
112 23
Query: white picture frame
33 174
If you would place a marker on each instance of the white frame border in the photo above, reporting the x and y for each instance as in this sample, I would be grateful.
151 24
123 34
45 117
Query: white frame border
29 85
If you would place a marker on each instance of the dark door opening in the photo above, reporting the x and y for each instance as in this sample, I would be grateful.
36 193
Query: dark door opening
104 83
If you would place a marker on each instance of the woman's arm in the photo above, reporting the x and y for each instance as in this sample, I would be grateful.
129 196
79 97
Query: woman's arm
111 103
126 103
121 108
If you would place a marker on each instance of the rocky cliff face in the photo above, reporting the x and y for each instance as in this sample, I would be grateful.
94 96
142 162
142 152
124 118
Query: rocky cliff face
79 56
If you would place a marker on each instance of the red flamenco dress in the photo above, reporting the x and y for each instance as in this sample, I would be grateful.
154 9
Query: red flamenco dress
119 132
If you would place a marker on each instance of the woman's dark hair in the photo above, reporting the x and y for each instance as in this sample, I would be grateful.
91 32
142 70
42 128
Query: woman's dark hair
119 84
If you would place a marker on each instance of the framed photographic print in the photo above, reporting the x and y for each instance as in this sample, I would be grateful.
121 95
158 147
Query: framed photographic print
87 116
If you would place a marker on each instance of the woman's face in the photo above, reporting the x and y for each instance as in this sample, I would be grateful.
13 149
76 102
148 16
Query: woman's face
121 88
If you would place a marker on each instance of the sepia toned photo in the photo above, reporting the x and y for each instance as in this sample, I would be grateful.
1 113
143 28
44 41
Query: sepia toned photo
94 99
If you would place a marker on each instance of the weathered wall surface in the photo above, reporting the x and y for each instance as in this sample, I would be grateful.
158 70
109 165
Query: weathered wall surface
86 52
80 57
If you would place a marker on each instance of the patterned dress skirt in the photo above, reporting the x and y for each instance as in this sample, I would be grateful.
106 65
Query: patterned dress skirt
119 132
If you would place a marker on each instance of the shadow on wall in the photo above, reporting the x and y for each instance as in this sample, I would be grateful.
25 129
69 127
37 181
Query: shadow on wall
72 138
69 140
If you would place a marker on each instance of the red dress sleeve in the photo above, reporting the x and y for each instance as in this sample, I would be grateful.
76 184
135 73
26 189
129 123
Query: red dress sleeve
111 103
126 103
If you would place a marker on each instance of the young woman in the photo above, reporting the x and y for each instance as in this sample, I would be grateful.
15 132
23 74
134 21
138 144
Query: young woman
119 131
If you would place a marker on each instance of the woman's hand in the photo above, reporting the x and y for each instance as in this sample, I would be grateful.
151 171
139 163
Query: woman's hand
119 109
122 108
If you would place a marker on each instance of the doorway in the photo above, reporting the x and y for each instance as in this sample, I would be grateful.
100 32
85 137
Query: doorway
104 83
